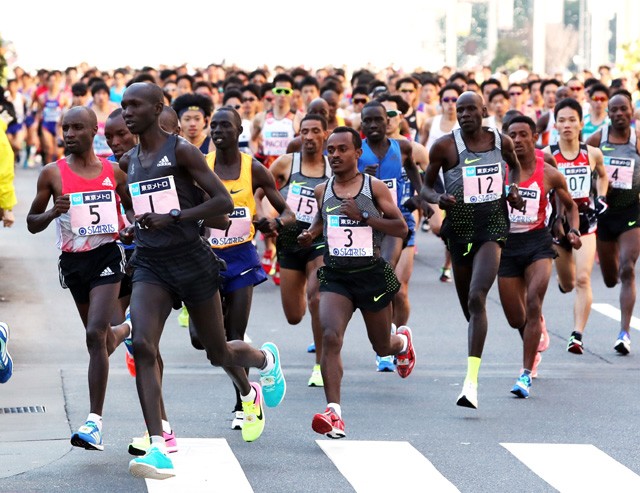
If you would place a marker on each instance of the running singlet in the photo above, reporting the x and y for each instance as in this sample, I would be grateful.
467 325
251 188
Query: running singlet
577 172
622 163
93 218
52 110
299 195
100 146
276 135
240 229
590 128
436 132
245 137
550 134
534 214
204 147
349 244
477 182
159 188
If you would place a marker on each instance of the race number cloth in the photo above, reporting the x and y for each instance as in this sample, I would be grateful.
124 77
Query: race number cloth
93 213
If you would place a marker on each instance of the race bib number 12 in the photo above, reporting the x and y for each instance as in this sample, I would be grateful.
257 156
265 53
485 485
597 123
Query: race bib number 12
482 183
93 213
158 195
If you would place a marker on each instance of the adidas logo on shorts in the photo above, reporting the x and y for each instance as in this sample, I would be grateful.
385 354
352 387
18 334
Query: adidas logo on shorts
107 182
107 272
164 161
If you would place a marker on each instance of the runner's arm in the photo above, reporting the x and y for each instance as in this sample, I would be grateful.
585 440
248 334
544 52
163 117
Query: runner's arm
308 235
264 180
391 221
39 217
437 160
597 158
556 181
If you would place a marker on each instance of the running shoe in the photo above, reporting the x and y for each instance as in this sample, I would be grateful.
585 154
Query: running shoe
469 395
536 362
88 437
140 445
575 343
6 363
267 261
424 227
183 317
623 344
311 348
385 363
238 419
445 275
247 339
128 356
543 345
275 273
153 465
328 424
274 386
522 386
253 415
407 360
315 380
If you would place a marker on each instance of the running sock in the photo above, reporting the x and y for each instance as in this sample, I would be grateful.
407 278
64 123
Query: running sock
166 427
405 343
96 418
250 397
159 442
526 372
577 335
473 367
269 361
336 408
127 321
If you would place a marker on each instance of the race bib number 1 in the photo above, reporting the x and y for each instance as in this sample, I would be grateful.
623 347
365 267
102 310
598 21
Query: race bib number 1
158 195
578 180
482 183
238 231
620 171
302 201
349 238
93 213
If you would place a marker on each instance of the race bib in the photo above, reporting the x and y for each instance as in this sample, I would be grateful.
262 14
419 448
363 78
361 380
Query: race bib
620 171
482 183
158 195
238 231
93 213
302 201
392 185
578 180
529 213
349 238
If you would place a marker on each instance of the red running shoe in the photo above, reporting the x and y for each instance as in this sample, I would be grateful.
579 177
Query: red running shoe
267 261
407 360
543 345
329 424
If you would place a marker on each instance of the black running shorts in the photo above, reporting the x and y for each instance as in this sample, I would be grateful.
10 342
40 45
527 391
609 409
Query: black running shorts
523 249
298 259
611 224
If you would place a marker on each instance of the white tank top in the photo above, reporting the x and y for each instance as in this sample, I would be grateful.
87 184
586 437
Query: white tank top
436 132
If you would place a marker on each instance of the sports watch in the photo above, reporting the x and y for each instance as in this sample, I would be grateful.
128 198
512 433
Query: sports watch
175 215
365 216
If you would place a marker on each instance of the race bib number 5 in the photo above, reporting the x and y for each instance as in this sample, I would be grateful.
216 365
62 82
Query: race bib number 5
482 183
158 195
620 171
349 238
238 231
302 201
93 213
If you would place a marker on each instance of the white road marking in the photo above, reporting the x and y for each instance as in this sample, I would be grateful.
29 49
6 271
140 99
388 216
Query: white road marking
612 312
575 468
367 467
203 465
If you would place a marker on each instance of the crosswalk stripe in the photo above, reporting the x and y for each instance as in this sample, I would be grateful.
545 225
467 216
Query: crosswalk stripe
575 467
366 466
612 312
203 465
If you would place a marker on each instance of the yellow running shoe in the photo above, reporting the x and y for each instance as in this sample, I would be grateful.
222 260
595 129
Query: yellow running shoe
316 377
253 423
183 317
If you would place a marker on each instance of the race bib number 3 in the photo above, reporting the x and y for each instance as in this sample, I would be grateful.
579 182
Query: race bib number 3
93 213
482 183
349 238
578 180
302 201
620 171
238 231
158 195
529 212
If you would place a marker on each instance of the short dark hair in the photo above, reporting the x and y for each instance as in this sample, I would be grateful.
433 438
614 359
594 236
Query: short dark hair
498 92
598 87
402 105
231 93
568 103
456 76
252 88
265 88
449 87
360 90
99 86
203 83
549 82
374 104
508 116
186 77
235 115
532 82
355 136
309 80
283 78
315 116
258 71
166 73
490 82
407 80
523 119
79 89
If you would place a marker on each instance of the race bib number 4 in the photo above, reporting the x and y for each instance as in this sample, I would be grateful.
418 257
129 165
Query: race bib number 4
578 180
93 213
302 201
482 183
238 231
349 238
620 171
529 212
158 195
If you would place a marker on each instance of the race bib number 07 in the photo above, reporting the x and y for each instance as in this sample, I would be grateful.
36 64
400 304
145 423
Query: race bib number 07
482 183
158 195
93 213
349 238
578 180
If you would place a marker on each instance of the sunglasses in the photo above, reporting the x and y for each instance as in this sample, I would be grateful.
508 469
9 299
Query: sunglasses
282 91
359 101
392 113
248 100
600 99
236 106
515 94
576 88
449 100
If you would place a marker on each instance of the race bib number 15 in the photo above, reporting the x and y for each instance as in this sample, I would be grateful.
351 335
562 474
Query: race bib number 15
158 195
93 213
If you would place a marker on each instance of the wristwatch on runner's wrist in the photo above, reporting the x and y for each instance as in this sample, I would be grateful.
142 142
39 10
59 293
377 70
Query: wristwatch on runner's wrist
365 216
175 215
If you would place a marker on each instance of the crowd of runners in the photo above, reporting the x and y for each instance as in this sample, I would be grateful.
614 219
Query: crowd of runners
164 186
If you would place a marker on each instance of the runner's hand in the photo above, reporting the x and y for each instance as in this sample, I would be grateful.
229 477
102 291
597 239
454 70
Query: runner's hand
268 227
126 235
575 240
372 169
350 209
446 201
305 239
7 218
514 199
61 205
151 220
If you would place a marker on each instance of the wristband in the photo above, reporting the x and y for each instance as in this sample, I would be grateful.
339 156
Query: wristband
575 232
279 224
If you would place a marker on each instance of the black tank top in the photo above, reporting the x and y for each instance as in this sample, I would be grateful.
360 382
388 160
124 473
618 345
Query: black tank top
164 165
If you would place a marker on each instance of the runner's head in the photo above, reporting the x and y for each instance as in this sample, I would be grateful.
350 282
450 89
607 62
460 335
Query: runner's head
374 121
396 108
226 127
319 107
522 132
621 110
79 127
344 148
282 91
548 87
449 95
169 121
470 111
499 102
598 98
313 133
119 139
142 104
100 94
194 112
332 99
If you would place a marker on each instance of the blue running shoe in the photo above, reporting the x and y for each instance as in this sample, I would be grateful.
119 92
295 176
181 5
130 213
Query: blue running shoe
623 343
311 348
6 363
153 465
274 386
385 363
88 437
522 386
